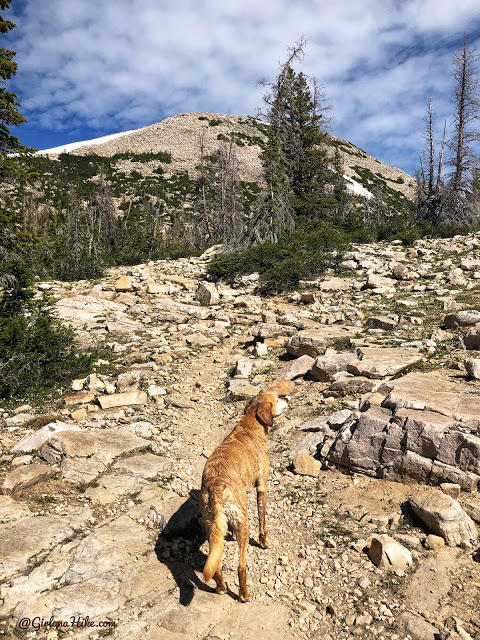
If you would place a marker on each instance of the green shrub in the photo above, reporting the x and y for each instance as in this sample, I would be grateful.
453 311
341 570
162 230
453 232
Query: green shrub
36 352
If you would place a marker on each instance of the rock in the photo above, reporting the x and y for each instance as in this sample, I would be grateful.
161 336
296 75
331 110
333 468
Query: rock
378 363
465 318
110 488
297 368
308 444
165 510
399 271
25 538
84 455
315 424
387 553
207 293
434 392
375 281
470 264
242 391
132 398
26 476
147 466
416 627
308 342
471 340
434 543
82 397
125 283
444 516
12 510
451 489
349 384
79 414
382 322
35 440
20 418
305 465
339 418
329 364
246 366
472 367
269 330
337 284
198 340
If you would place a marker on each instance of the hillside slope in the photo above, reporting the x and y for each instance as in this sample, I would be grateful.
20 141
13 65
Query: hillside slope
180 135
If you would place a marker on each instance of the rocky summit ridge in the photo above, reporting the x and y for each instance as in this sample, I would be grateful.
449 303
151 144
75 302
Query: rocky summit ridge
179 135
373 507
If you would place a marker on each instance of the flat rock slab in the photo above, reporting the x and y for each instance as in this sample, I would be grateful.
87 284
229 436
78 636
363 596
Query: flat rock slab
444 516
26 476
22 540
111 487
127 399
378 363
12 510
434 392
35 440
81 309
210 617
165 510
326 366
243 391
84 455
146 466
297 368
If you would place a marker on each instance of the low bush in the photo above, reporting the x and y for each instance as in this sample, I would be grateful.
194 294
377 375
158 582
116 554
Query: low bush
37 352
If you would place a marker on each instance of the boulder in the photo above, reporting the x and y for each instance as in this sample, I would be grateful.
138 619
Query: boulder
444 516
329 364
207 293
265 330
465 318
132 398
387 553
306 465
125 283
379 362
35 440
26 476
471 340
472 367
382 322
297 368
310 342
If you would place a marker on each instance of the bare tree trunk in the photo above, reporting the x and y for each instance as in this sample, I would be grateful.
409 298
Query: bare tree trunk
203 181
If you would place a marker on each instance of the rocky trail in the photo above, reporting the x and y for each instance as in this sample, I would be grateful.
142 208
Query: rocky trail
373 506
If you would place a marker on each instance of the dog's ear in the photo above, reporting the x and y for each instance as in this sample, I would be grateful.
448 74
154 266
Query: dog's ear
247 406
265 414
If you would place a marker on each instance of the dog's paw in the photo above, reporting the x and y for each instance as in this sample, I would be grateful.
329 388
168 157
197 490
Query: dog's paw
221 591
263 541
245 597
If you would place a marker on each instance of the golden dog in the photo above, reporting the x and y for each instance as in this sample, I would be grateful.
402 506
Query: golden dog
238 464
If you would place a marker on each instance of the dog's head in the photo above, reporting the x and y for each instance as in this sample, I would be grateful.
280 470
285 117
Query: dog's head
269 404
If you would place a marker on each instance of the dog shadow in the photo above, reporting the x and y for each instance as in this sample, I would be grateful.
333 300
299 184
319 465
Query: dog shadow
178 547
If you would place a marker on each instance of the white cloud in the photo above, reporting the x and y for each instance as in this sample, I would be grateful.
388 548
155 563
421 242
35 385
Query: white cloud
108 65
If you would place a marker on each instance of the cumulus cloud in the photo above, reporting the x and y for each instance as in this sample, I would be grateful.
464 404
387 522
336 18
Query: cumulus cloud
92 68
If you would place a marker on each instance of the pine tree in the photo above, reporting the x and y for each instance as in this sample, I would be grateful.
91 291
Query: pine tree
9 114
295 159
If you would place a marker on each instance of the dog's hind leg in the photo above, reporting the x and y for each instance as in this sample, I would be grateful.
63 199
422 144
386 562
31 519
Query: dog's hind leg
218 577
243 537
262 508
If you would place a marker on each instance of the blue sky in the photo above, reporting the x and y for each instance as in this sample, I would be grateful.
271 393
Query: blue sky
92 67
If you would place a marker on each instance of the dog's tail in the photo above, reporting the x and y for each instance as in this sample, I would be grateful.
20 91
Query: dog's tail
217 531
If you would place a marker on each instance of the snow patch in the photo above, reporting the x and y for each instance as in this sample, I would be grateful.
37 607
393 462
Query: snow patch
71 146
357 188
